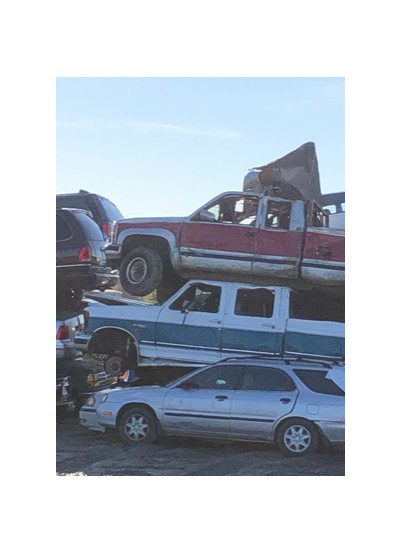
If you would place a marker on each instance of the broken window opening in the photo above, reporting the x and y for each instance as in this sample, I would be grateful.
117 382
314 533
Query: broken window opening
255 302
278 214
231 210
198 298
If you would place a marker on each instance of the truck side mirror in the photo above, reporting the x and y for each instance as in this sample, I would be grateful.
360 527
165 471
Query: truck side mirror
206 216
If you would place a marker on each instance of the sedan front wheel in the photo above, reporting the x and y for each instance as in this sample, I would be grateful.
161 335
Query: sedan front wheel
137 425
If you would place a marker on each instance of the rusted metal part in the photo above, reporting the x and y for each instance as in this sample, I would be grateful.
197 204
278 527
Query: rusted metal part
293 176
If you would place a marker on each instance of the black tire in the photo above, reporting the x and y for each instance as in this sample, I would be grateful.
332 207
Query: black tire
137 426
297 437
141 271
115 365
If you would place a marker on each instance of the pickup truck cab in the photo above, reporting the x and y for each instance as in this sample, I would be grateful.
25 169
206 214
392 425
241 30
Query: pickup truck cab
244 236
207 321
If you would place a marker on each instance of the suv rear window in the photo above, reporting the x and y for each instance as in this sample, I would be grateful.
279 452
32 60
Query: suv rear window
91 229
110 210
317 382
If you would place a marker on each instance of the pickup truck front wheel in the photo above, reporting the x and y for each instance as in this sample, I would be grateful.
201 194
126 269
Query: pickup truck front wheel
140 271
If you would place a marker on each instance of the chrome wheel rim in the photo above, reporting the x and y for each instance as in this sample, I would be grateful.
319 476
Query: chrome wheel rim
137 270
297 438
136 427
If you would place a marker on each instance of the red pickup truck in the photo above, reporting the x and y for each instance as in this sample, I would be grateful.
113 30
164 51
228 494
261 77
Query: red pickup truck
240 235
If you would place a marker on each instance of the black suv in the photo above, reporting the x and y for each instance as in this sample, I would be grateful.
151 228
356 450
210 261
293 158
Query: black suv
81 260
101 209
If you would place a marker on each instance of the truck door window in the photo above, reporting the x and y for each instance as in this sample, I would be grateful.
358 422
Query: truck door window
231 210
278 214
255 302
199 298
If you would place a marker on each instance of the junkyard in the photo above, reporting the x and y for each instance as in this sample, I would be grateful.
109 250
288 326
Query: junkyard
207 345
83 453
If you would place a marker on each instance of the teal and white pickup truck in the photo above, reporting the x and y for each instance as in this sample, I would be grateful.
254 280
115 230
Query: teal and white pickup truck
206 321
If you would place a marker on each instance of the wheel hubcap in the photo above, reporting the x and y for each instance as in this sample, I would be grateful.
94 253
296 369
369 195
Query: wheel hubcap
136 427
297 438
137 270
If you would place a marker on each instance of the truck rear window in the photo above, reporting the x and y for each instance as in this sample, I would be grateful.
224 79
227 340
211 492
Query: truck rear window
317 305
317 382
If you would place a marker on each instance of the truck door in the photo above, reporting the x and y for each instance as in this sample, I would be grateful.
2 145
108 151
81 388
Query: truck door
221 235
253 322
324 249
279 238
189 327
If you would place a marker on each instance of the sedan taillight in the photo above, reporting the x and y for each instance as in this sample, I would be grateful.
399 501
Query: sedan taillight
63 332
85 254
86 317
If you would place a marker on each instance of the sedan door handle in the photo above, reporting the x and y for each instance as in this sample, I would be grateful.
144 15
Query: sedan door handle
285 400
221 397
251 234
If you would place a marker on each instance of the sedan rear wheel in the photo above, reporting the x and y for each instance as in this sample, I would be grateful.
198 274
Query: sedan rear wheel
297 437
137 425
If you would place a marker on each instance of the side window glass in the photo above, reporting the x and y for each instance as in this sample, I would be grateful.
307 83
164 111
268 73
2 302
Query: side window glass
63 231
255 302
199 298
278 214
216 377
317 382
258 378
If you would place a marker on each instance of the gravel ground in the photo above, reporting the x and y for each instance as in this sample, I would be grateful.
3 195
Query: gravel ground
84 452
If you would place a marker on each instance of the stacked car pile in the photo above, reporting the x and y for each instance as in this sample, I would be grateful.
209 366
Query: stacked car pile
83 222
261 333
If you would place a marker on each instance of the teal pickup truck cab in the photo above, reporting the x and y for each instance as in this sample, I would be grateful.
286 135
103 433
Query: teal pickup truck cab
206 321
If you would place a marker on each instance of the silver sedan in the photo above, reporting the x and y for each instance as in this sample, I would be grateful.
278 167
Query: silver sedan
297 405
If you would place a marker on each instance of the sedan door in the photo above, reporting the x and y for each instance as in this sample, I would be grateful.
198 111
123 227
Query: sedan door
264 396
201 404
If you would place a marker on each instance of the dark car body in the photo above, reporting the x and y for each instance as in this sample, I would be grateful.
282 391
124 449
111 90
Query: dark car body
102 210
81 260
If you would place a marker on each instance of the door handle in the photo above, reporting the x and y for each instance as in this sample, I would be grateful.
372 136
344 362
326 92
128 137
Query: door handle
215 321
285 400
221 397
251 234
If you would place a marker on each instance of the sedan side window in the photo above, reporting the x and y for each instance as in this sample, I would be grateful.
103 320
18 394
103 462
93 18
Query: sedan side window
216 377
258 378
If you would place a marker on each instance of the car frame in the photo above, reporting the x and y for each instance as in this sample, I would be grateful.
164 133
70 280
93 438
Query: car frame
297 419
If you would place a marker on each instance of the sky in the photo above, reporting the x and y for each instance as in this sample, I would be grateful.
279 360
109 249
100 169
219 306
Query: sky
164 146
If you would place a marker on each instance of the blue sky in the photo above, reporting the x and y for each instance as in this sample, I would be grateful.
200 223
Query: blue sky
164 146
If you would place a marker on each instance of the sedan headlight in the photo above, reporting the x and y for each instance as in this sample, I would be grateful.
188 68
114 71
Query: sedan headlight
91 401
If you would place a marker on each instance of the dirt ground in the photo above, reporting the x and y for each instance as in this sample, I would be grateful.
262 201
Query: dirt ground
81 452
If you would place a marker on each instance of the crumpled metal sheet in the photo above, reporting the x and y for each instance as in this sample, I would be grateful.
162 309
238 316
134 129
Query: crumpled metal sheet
293 176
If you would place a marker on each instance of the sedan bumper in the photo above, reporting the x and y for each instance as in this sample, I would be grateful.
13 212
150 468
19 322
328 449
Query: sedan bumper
333 431
88 418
